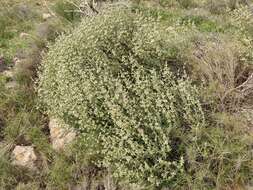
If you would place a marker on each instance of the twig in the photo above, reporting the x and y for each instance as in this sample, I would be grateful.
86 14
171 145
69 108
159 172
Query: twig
238 87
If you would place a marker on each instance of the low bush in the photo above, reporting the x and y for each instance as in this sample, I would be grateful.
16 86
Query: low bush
124 94
120 80
139 113
224 65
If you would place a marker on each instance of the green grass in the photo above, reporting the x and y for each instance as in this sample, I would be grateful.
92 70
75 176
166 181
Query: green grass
22 123
67 10
12 22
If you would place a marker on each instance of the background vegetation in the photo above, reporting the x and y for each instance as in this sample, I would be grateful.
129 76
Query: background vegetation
161 93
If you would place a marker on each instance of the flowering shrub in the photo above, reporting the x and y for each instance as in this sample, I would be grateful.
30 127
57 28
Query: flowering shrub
115 80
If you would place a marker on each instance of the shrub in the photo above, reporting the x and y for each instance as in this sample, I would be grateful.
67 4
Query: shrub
224 65
115 79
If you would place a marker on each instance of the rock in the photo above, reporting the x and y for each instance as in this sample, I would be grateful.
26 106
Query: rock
24 156
23 35
60 135
46 16
8 74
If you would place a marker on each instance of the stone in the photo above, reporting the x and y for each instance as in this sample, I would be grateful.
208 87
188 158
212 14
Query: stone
46 16
60 135
8 74
24 156
23 35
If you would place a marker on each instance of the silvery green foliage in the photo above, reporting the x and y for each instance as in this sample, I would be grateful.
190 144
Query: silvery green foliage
111 79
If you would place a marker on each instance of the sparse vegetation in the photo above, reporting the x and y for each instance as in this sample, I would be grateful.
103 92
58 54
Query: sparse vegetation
159 93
